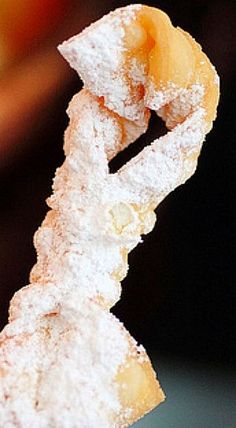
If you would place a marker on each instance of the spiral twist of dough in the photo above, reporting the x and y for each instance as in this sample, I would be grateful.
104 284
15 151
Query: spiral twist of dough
66 361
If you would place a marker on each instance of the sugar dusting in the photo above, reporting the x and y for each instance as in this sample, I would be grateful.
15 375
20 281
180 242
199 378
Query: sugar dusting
97 54
60 366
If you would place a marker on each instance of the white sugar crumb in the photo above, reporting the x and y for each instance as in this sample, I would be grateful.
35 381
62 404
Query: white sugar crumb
182 105
156 99
137 71
217 78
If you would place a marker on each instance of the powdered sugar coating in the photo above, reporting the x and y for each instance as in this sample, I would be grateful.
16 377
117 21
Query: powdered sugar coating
71 269
97 55
63 348
62 352
165 164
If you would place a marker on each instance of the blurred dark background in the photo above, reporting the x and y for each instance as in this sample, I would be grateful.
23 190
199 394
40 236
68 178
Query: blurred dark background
179 296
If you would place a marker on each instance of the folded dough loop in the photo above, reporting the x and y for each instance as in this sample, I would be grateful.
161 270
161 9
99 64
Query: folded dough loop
136 59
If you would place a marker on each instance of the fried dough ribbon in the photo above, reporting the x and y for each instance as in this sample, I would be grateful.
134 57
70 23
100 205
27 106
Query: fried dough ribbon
65 360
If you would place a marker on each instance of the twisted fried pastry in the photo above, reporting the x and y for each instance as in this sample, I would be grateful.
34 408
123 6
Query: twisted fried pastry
66 361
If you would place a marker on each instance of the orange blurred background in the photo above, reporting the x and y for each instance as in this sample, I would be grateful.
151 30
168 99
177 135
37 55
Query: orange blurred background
32 73
26 23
